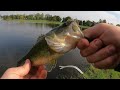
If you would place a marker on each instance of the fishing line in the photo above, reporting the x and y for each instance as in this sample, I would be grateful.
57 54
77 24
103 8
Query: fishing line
72 66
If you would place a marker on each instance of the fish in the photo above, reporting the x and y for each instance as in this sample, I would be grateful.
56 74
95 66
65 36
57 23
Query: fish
53 45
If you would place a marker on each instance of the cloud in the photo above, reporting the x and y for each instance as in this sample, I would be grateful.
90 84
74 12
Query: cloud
82 15
117 12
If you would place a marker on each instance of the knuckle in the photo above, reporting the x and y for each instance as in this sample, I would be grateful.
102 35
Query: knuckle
112 60
93 47
90 59
82 44
98 43
89 50
82 52
96 65
110 50
85 53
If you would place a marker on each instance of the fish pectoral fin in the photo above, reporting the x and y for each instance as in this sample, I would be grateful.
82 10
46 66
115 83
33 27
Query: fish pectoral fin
51 65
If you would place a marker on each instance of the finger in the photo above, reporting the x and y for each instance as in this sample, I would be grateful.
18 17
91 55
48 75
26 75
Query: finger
116 63
34 77
95 31
82 44
106 63
93 47
42 67
23 70
102 54
43 74
27 76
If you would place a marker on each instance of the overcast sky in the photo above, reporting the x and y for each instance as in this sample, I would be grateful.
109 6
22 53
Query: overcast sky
110 16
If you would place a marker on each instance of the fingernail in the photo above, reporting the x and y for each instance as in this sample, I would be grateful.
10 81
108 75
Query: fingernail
97 42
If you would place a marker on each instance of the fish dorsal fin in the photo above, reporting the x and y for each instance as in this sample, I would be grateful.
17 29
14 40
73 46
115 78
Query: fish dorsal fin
51 65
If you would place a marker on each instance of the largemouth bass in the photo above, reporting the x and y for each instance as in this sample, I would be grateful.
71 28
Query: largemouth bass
53 45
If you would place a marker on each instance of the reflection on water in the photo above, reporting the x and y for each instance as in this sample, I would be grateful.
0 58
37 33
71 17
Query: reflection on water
16 39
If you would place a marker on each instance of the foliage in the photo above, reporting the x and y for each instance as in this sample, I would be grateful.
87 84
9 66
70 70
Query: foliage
94 73
41 16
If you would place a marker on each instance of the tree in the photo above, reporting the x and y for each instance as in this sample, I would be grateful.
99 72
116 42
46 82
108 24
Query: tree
100 21
118 25
104 21
84 23
48 17
54 18
58 18
80 22
88 23
66 18
93 23
30 17
37 16
42 16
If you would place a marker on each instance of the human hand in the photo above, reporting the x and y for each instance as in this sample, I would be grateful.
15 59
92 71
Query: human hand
104 49
21 72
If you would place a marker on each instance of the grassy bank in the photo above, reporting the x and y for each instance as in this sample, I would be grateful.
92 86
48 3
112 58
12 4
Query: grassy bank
94 73
41 21
35 21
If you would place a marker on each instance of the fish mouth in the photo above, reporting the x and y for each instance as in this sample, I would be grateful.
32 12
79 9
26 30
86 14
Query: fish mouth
56 44
75 31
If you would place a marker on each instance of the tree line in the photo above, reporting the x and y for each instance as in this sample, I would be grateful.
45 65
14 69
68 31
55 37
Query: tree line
49 17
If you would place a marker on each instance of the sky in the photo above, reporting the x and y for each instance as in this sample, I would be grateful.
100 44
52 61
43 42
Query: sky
110 16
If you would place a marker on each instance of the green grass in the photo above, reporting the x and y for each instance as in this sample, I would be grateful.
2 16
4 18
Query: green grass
35 21
94 73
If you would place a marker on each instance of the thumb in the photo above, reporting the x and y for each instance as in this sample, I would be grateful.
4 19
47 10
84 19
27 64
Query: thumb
23 70
95 31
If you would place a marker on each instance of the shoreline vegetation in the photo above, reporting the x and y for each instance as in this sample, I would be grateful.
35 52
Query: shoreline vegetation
50 19
34 21
42 21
